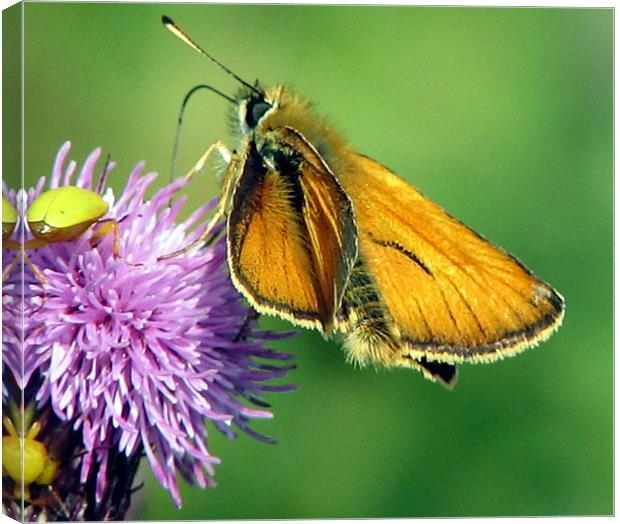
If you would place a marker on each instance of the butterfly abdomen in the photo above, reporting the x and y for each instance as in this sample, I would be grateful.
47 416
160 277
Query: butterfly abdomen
363 318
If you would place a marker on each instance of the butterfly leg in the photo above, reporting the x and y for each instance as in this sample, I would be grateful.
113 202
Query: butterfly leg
231 160
218 147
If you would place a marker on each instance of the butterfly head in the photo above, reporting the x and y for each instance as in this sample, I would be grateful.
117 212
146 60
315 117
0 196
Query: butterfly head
260 113
255 107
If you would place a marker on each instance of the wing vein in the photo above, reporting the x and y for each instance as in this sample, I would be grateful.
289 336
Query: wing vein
450 312
468 306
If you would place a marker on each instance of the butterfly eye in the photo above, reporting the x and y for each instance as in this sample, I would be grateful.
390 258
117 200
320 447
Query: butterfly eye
255 111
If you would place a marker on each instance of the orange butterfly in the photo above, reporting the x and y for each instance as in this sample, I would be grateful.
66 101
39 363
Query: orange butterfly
333 240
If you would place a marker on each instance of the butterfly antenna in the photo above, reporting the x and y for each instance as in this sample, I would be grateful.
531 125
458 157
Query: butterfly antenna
177 137
183 36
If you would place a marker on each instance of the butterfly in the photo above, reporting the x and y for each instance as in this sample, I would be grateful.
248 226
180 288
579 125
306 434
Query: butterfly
333 240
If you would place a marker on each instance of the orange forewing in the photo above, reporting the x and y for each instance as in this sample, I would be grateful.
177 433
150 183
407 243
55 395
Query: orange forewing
291 236
446 293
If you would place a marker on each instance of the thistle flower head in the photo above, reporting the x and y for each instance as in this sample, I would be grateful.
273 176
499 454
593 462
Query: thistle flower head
135 351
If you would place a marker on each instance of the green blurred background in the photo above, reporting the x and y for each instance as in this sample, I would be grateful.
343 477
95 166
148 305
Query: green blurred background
503 116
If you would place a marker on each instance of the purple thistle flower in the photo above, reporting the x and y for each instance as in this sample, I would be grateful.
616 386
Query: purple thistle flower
138 353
